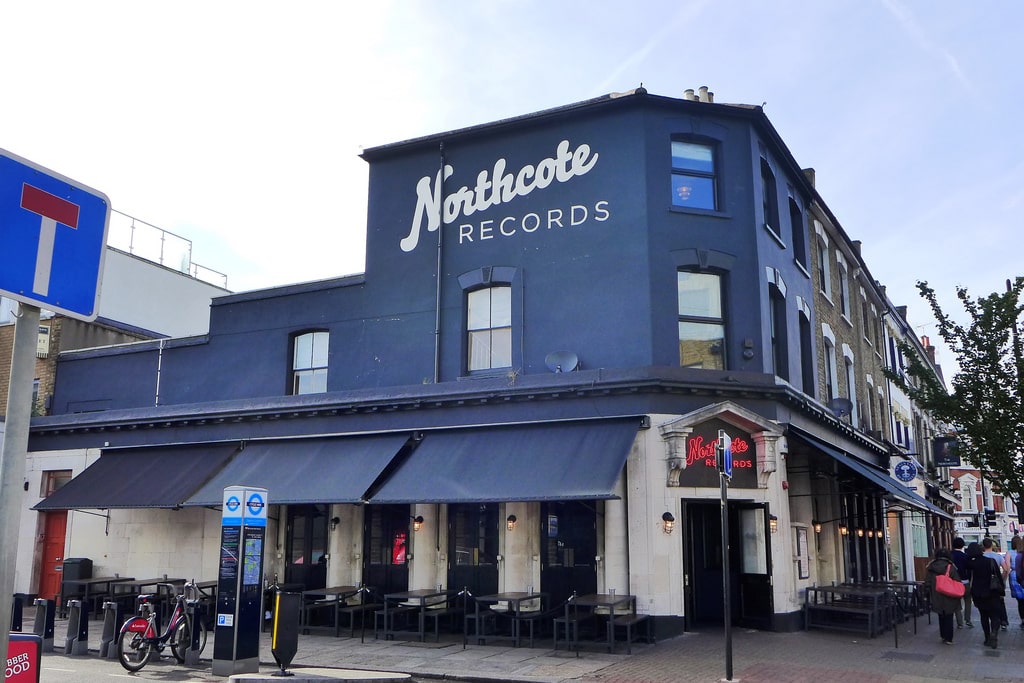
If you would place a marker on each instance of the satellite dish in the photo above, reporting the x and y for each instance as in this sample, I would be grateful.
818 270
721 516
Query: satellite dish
562 361
841 406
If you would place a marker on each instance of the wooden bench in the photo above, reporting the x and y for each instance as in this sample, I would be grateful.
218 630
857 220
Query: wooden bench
451 608
350 611
570 626
393 615
629 622
849 608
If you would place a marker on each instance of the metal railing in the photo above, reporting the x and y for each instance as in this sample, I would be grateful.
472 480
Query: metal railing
145 240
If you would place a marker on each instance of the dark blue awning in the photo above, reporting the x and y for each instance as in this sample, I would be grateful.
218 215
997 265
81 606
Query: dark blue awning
579 460
158 477
301 471
874 475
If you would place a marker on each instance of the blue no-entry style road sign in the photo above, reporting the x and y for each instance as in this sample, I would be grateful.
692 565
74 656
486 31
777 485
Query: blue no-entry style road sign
53 236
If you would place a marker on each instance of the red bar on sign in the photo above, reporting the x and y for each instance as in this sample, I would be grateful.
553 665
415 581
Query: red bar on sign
45 204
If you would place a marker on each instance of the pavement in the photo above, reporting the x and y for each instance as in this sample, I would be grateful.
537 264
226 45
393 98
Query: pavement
899 656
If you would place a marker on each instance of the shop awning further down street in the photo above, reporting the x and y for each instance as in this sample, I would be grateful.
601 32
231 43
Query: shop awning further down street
158 477
579 460
303 471
872 474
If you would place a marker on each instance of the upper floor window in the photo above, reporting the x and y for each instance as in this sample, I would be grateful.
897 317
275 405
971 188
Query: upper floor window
769 197
701 320
824 273
54 480
844 286
797 232
807 365
309 363
489 328
693 175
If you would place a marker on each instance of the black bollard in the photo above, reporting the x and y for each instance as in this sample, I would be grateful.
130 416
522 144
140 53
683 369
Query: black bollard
16 613
285 635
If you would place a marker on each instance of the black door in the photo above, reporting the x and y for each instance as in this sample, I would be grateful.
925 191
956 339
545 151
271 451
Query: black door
568 549
306 546
385 540
473 547
750 589
702 560
753 564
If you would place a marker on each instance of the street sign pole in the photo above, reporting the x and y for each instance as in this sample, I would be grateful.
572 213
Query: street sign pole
724 453
12 458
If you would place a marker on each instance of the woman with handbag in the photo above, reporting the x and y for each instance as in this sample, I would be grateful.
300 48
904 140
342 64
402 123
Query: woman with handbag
943 579
987 590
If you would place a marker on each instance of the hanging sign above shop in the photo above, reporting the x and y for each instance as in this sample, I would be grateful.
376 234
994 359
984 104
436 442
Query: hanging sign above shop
702 460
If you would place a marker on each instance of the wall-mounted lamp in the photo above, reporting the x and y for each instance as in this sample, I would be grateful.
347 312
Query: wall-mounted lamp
844 530
510 522
879 534
417 522
860 533
668 522
773 523
871 533
817 527
335 521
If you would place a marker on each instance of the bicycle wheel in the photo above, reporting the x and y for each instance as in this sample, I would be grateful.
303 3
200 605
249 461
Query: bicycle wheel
183 636
133 650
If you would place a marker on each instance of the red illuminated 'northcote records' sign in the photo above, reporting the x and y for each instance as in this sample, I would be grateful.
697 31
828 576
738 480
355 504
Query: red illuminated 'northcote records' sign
702 458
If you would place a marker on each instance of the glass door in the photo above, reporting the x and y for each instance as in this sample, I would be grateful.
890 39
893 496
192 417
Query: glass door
306 546
473 547
568 549
754 565
386 538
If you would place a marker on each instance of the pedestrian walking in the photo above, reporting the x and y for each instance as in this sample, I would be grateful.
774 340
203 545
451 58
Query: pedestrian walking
991 550
987 591
943 605
1017 574
963 612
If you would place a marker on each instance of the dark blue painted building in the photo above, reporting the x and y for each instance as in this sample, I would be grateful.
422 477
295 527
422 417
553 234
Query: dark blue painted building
559 313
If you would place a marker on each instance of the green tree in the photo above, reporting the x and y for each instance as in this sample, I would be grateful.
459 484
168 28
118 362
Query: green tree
986 405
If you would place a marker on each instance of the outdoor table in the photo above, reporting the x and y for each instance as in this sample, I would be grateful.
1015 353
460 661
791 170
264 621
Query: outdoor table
125 592
613 602
420 598
516 601
92 589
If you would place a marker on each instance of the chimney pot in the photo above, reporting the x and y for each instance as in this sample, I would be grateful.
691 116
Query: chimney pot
703 90
688 94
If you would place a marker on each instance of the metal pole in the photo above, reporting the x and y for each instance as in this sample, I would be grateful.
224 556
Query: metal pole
12 457
724 487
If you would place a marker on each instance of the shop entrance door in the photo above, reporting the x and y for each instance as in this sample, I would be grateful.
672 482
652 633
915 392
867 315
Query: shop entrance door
306 546
55 526
386 538
473 547
749 564
568 549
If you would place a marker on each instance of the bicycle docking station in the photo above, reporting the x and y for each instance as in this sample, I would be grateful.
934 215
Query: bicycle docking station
43 625
285 634
77 641
194 612
239 615
113 616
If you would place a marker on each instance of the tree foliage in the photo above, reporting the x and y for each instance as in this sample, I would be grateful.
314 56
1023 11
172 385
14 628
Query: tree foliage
986 404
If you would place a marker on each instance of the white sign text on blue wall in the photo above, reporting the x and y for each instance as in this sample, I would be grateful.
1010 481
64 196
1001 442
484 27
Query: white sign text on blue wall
492 188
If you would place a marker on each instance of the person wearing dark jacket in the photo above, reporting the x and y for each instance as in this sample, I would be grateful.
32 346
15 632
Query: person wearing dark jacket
960 562
986 592
943 605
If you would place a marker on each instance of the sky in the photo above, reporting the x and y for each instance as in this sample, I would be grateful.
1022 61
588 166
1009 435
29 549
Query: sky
238 125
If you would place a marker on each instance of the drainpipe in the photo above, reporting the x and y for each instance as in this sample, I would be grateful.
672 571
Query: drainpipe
159 366
437 297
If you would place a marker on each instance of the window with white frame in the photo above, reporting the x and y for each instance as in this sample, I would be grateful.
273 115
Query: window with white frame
831 381
309 362
769 197
798 231
824 270
844 286
851 383
807 368
968 495
489 328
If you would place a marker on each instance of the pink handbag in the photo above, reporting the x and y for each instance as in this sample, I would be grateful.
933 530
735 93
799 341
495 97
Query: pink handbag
947 586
